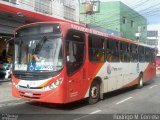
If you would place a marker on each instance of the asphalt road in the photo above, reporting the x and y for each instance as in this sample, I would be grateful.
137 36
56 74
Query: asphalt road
126 101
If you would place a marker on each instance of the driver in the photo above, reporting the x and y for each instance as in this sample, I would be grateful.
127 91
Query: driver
36 58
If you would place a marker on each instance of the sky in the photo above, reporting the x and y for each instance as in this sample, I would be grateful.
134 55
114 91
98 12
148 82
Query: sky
148 8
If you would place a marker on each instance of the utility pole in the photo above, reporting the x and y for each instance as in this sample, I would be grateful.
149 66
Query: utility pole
90 7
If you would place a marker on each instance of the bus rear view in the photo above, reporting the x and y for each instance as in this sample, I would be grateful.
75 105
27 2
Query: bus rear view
38 63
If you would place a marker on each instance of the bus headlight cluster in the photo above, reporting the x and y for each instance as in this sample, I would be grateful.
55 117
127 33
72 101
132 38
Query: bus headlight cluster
15 85
56 83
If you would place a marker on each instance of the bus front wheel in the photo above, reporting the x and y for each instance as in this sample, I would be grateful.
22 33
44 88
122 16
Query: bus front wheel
94 93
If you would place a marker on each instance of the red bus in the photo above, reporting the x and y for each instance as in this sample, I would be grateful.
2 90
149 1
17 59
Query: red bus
158 62
60 62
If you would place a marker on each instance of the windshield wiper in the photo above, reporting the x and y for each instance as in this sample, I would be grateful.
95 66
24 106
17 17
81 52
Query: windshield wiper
40 45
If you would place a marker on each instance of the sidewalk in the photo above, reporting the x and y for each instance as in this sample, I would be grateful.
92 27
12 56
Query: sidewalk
158 73
6 94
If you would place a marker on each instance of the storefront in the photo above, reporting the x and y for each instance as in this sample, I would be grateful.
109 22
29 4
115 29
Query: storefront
8 23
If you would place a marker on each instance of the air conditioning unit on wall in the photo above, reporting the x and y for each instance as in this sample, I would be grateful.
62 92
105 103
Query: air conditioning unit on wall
88 8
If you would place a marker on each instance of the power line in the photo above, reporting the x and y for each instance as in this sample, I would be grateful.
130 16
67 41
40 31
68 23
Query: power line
150 11
146 13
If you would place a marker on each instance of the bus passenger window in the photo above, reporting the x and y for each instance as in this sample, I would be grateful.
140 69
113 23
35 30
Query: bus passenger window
141 54
125 52
147 54
96 48
134 52
112 50
153 54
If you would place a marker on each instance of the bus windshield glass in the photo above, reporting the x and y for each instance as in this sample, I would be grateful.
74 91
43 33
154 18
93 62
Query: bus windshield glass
38 53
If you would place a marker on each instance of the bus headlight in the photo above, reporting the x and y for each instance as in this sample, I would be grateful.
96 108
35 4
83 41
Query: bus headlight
15 85
56 83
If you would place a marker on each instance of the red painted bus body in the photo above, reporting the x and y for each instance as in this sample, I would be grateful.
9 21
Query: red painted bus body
158 62
68 82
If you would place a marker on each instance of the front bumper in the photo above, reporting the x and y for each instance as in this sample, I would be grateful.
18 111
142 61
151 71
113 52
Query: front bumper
53 96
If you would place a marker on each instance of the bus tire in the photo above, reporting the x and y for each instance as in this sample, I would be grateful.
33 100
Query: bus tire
94 93
140 81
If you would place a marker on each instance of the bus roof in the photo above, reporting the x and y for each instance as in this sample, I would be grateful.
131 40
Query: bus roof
82 28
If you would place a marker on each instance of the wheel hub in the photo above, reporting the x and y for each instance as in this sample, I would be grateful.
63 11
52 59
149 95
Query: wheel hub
141 82
94 92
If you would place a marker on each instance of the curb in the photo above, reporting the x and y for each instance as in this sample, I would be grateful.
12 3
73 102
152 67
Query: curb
5 80
10 102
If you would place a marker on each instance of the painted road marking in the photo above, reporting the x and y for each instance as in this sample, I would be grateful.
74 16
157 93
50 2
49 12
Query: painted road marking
94 112
123 100
152 86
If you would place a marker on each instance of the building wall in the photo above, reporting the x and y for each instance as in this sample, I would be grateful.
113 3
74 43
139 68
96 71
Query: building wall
107 18
111 17
8 23
59 9
63 9
152 38
2 46
135 23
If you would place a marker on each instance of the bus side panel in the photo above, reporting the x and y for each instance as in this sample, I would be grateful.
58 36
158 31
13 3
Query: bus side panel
158 63
150 72
93 69
119 75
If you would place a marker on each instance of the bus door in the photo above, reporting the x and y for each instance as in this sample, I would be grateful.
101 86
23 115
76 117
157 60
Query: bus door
75 56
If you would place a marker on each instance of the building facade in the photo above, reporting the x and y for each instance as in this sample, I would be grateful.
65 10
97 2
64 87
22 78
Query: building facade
118 17
27 11
152 38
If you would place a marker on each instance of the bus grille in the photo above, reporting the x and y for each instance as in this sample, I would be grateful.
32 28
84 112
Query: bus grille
30 76
30 87
34 95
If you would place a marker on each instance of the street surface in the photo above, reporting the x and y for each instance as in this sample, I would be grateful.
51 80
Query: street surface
126 101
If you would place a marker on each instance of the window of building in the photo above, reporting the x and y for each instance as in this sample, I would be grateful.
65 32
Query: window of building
132 23
139 28
69 3
12 1
144 28
152 42
43 6
152 33
124 20
7 0
69 13
96 48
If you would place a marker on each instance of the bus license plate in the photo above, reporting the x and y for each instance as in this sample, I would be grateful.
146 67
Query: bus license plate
29 94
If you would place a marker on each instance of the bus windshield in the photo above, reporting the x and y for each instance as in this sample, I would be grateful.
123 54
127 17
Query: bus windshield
38 53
